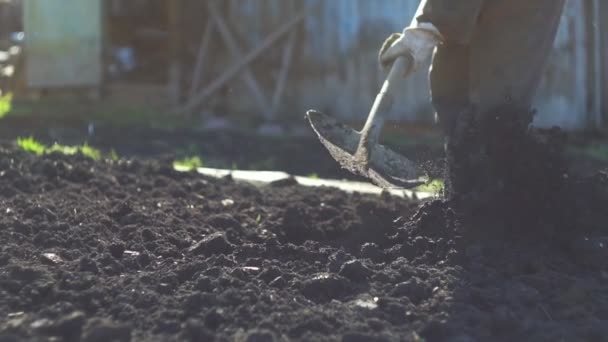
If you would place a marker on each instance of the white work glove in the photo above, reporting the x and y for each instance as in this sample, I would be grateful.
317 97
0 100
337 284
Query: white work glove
417 41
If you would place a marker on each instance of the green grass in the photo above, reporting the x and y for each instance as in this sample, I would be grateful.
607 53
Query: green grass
435 186
6 104
313 176
90 152
190 163
30 144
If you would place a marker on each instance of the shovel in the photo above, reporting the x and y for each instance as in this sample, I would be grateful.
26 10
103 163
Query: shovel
359 152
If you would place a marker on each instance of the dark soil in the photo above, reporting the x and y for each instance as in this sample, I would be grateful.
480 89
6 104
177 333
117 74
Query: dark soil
133 250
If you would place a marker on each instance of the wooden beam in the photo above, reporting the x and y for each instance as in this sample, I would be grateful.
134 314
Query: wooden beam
231 72
201 58
236 52
282 80
174 9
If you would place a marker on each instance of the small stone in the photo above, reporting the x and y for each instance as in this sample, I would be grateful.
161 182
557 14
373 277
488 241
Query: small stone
227 202
131 253
215 243
355 271
50 259
101 330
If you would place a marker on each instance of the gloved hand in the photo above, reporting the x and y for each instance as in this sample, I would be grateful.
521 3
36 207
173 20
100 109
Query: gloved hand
417 41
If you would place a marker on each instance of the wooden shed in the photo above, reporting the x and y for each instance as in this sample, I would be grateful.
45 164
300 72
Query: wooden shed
325 61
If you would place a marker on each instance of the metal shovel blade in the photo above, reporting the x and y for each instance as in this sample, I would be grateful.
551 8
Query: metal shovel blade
386 168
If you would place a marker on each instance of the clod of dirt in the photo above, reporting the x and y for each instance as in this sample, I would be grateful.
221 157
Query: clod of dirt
414 289
324 287
355 271
285 182
117 249
215 243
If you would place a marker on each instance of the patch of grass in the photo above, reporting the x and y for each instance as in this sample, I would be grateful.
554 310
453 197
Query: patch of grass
6 104
90 152
313 176
30 144
63 149
190 163
113 155
435 186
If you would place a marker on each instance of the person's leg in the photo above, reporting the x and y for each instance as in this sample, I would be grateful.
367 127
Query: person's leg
449 79
509 51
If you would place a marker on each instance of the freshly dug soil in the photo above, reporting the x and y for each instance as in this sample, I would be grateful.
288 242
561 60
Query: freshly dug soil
133 250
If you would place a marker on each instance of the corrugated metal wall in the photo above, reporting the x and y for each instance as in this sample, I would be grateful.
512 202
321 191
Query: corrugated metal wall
336 71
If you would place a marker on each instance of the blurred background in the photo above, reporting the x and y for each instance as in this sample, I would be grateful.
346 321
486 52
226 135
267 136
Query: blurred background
228 81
